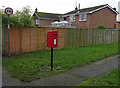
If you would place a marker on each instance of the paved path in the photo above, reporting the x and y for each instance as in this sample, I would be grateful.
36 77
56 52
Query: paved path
0 76
0 69
69 78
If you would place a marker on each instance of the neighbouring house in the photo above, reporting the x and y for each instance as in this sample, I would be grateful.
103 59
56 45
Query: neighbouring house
44 19
91 17
118 25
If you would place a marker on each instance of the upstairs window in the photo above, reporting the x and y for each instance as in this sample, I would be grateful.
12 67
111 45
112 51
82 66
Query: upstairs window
83 17
64 19
72 18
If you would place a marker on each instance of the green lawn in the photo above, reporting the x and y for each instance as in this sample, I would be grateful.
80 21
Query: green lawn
30 66
109 79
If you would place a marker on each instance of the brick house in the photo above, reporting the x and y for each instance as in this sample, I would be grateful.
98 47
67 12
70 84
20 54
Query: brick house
118 25
91 17
44 19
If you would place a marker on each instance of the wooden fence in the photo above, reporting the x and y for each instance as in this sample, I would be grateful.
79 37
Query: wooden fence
84 37
24 40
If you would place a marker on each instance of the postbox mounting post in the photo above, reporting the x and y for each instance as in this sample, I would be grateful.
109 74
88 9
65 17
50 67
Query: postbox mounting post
51 58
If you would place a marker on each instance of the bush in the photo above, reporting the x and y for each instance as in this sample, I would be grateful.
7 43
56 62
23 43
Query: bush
101 27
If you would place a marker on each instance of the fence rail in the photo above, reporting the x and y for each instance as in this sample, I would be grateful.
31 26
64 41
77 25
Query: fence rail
24 40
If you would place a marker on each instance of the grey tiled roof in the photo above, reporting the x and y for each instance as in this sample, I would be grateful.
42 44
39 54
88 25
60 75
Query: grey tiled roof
50 16
86 9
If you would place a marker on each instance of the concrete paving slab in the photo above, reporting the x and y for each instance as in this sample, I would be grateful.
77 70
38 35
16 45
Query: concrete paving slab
8 80
58 80
0 76
95 69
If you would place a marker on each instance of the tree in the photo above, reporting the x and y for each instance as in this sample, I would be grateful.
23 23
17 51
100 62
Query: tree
4 19
19 18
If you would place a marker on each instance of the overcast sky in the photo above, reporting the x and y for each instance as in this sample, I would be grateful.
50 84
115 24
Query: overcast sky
55 6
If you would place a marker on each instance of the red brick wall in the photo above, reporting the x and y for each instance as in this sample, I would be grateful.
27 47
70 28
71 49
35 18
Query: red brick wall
104 16
83 24
45 22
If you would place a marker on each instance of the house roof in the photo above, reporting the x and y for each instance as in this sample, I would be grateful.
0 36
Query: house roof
118 21
47 16
91 9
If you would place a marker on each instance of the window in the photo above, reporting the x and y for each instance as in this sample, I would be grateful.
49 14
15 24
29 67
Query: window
37 22
64 19
82 17
72 18
114 25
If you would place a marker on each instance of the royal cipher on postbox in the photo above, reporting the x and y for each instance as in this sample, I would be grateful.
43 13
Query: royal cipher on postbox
52 39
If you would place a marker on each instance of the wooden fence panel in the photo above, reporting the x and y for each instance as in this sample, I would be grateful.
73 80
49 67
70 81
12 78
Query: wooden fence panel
61 38
26 40
75 38
90 33
67 42
41 39
17 41
71 38
33 39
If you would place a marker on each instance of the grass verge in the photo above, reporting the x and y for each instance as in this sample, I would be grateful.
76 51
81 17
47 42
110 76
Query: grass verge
31 66
108 79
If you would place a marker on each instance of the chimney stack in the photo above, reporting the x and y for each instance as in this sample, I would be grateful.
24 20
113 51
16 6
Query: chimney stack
79 7
36 10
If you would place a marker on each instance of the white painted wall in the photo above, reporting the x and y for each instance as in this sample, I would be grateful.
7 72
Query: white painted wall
119 11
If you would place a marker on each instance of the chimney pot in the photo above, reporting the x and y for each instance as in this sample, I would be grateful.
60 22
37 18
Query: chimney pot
36 10
114 8
76 8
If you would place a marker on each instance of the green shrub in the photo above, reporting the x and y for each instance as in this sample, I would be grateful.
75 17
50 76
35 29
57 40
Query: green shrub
101 27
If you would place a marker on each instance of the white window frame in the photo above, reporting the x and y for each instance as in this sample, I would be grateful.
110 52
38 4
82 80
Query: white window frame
37 22
82 16
72 18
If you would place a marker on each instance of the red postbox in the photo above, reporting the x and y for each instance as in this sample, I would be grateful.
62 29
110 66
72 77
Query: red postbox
52 39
